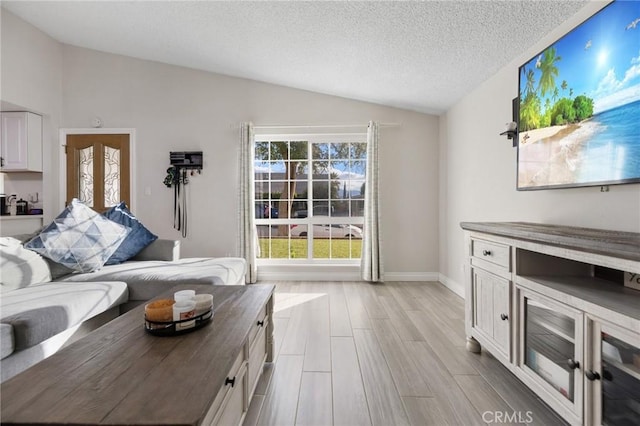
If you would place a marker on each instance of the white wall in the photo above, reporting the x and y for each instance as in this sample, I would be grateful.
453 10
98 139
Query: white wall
31 80
174 109
478 171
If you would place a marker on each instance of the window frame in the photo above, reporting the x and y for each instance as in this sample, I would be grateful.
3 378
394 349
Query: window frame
311 219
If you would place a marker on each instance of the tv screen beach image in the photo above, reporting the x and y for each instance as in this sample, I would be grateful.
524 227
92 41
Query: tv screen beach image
579 121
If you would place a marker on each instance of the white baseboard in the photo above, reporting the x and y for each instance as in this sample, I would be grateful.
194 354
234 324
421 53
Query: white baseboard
333 273
452 285
348 273
308 273
411 276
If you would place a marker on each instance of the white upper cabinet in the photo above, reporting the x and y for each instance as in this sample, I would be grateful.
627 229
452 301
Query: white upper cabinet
21 142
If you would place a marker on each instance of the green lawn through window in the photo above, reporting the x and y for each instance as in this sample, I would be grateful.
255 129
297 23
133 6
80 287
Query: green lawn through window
296 248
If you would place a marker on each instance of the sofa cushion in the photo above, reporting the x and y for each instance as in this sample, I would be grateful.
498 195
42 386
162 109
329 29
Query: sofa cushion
20 267
7 345
41 311
149 278
79 238
136 240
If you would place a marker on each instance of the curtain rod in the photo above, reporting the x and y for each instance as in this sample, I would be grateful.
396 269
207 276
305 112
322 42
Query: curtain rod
326 126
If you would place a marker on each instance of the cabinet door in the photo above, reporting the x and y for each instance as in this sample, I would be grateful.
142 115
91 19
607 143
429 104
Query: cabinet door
14 141
613 375
551 351
491 309
21 141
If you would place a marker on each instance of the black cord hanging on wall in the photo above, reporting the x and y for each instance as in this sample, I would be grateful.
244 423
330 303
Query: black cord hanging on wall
182 164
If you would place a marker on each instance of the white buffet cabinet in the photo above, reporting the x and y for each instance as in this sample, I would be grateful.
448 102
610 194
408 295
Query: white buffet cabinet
556 306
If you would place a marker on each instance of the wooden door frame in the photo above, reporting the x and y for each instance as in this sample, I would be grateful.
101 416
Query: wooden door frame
62 175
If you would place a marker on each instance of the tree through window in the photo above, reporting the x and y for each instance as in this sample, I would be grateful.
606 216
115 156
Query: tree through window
309 196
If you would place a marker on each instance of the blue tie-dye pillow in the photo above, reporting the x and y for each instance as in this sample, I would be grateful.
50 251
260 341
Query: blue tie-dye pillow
79 238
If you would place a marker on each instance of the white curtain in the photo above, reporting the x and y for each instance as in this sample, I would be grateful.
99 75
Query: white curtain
371 264
248 232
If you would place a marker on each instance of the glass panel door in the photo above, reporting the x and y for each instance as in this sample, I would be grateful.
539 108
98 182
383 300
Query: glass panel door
549 343
85 179
620 378
551 351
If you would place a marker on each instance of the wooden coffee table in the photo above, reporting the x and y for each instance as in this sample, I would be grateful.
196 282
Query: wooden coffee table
120 374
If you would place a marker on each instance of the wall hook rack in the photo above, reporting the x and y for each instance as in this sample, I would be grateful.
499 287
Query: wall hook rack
181 163
191 160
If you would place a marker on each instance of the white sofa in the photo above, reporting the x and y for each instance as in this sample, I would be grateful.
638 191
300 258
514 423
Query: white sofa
38 318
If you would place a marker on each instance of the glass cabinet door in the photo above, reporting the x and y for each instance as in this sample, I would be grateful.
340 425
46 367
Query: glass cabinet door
551 349
617 381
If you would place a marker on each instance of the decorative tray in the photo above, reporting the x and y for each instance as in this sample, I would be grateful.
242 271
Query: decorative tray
176 328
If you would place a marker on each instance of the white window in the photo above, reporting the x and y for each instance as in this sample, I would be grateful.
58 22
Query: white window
309 197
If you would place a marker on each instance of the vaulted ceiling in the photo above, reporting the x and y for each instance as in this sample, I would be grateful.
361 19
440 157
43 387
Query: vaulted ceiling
422 56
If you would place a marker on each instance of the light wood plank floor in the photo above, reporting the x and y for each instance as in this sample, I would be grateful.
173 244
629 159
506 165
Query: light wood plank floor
351 353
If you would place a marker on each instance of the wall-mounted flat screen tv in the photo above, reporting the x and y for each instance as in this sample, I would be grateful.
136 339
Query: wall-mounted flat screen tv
579 105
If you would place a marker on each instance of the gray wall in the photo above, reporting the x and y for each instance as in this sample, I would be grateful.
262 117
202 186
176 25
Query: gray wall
478 171
174 108
32 81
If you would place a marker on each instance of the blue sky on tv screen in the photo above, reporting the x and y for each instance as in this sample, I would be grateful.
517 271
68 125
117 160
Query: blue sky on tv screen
600 59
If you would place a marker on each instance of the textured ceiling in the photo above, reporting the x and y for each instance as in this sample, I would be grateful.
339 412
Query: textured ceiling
422 56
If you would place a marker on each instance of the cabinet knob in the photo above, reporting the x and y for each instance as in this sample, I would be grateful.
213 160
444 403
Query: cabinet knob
260 323
229 381
486 252
592 375
573 364
504 317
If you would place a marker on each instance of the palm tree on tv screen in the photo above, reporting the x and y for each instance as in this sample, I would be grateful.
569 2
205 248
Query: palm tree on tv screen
531 82
548 71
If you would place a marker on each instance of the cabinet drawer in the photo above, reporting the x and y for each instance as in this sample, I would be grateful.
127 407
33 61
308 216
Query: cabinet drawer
234 407
215 410
260 323
257 356
488 251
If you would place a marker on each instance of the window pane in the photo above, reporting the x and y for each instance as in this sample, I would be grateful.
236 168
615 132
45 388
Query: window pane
111 176
358 151
262 151
264 239
279 208
339 151
357 189
320 151
261 190
299 150
279 150
320 170
298 246
321 248
357 169
301 171
261 170
85 169
356 248
321 208
278 169
337 189
262 210
321 190
339 208
340 169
